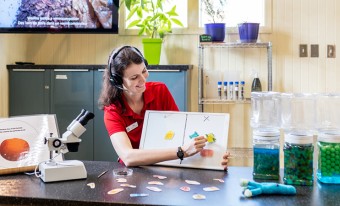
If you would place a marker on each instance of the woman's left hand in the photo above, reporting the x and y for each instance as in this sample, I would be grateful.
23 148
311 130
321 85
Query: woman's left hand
225 159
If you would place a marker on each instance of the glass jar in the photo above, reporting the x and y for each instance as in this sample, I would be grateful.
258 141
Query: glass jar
298 160
329 158
298 113
265 110
328 113
266 147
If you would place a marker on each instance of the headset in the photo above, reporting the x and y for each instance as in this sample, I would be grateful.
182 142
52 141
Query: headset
115 79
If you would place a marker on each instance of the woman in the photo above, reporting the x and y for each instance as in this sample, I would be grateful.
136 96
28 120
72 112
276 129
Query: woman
125 97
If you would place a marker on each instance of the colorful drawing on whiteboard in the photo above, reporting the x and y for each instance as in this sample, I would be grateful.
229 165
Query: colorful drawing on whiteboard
210 139
169 135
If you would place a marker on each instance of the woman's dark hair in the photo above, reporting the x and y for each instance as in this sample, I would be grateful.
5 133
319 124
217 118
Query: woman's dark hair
118 61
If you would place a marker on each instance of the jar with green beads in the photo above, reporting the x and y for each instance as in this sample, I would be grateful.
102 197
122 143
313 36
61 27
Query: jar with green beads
328 158
298 159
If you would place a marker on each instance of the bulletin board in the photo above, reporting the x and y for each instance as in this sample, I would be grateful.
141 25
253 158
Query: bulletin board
22 142
166 129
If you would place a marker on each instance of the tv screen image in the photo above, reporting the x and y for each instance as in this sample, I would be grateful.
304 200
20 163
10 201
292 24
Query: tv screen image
59 16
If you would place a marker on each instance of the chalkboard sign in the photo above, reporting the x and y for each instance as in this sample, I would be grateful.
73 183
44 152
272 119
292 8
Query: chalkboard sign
205 38
165 129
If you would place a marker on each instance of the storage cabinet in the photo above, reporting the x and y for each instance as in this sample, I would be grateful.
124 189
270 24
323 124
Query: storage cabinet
66 89
29 91
201 67
71 91
103 149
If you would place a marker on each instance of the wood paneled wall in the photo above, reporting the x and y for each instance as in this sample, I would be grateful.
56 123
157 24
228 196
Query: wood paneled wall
294 22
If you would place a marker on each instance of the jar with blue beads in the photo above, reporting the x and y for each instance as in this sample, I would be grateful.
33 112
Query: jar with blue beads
266 148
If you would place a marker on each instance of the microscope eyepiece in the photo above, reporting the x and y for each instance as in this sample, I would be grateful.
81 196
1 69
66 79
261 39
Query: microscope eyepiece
82 112
86 117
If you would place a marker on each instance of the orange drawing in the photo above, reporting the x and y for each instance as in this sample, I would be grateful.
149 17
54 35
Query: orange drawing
14 149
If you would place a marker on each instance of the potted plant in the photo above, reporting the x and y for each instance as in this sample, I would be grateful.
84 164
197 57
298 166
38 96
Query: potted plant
154 21
214 9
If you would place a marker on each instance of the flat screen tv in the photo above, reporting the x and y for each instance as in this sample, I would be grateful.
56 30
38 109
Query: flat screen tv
59 16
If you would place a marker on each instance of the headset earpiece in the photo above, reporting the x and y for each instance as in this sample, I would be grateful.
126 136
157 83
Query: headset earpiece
115 79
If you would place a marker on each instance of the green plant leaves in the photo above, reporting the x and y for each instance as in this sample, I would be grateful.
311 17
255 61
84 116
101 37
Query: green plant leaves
150 17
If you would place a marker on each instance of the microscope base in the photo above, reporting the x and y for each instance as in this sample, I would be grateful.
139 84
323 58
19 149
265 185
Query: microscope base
63 170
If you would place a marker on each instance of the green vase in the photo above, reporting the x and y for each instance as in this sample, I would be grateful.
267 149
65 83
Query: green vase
152 50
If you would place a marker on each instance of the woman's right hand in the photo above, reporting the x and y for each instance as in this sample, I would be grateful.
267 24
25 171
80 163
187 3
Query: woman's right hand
195 146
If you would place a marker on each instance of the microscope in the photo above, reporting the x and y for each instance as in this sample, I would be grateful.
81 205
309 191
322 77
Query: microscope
53 170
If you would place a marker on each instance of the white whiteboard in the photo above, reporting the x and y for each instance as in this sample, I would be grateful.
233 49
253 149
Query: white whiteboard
166 129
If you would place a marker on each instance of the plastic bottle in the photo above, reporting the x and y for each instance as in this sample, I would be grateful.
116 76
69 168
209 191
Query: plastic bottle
236 89
219 89
225 89
242 91
231 90
266 146
256 85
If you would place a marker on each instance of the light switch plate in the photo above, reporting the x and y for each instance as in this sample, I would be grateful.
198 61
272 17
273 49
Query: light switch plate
303 50
331 51
314 50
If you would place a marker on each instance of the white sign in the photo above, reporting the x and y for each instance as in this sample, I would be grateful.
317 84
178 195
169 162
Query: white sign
22 140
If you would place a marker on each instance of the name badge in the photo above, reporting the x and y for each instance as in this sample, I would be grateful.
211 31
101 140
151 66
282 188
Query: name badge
131 127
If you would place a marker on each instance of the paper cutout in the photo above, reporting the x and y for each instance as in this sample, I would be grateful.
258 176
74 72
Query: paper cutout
91 185
115 191
155 189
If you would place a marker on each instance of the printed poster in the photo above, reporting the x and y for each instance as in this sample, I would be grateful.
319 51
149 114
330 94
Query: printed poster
22 142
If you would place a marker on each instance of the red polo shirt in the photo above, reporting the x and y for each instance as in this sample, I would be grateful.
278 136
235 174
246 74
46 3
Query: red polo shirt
156 97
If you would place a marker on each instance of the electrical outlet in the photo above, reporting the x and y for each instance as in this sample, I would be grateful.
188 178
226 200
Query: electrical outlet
330 51
303 50
314 50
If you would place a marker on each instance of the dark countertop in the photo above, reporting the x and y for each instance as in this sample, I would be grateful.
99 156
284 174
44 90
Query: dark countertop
94 67
22 189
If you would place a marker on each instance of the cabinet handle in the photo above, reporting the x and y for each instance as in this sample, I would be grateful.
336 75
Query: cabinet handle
28 70
47 87
71 70
101 70
164 70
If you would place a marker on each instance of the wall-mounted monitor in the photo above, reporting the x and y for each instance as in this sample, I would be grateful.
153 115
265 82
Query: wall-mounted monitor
59 16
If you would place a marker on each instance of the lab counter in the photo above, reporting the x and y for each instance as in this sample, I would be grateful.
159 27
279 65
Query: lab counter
24 189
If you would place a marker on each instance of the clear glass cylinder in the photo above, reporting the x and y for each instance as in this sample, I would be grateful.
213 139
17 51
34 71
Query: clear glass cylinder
298 160
329 158
265 110
298 113
328 113
266 147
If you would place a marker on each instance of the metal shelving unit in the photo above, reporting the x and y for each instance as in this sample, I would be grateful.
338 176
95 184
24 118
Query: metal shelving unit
203 45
